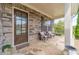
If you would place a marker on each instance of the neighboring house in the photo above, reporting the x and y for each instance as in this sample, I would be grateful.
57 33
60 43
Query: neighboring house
20 24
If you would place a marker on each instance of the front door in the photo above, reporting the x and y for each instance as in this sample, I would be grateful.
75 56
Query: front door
20 26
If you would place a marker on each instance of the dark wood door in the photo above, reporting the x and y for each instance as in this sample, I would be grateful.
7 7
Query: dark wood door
20 26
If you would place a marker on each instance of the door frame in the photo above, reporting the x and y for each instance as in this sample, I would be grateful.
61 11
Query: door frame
13 36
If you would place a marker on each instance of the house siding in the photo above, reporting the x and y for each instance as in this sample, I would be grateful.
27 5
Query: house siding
6 23
34 22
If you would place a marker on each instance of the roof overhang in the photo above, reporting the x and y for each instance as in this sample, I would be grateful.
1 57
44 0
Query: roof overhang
52 10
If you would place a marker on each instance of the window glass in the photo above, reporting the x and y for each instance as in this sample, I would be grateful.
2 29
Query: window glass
21 21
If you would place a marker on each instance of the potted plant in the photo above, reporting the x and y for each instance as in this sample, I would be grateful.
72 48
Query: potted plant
7 49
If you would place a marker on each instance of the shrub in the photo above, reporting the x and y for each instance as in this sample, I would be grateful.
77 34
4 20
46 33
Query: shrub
6 46
77 27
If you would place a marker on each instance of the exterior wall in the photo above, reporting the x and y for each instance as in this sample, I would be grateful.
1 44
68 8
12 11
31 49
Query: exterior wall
34 27
34 22
6 17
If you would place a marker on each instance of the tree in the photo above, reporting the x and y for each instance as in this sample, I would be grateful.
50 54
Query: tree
59 27
77 27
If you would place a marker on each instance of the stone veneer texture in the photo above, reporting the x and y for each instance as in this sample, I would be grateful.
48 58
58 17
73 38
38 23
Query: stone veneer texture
34 22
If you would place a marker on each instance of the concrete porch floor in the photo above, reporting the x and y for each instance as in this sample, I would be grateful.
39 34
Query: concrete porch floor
52 46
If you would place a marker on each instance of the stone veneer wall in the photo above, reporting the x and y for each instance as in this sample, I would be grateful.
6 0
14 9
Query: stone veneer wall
6 17
6 27
34 21
34 27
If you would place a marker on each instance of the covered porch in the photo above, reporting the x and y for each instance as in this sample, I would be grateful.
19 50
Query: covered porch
54 45
36 15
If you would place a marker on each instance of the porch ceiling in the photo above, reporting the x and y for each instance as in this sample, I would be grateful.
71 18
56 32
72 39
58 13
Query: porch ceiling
53 10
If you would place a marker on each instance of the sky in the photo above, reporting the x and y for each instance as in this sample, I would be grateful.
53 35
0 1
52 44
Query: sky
74 20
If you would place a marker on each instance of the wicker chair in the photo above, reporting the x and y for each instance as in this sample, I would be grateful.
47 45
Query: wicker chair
50 34
42 36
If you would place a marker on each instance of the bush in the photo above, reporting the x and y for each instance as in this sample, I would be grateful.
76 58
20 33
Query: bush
6 46
77 27
59 27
